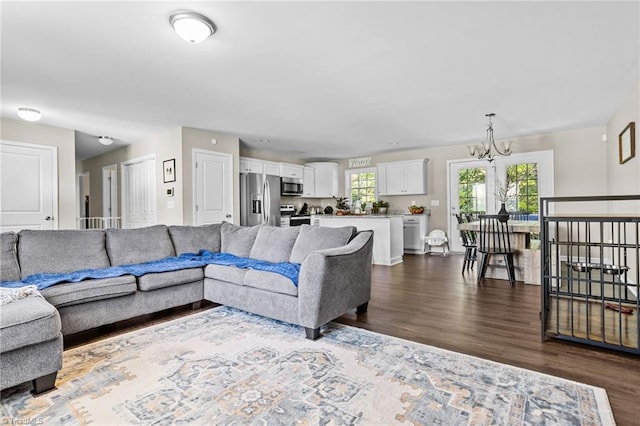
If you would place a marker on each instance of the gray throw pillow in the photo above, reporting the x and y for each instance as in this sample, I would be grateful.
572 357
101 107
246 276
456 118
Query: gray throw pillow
9 269
130 246
237 240
274 244
312 238
192 239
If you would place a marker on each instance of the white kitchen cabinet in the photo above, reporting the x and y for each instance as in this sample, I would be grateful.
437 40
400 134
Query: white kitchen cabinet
415 228
271 168
291 170
402 177
251 165
309 182
326 179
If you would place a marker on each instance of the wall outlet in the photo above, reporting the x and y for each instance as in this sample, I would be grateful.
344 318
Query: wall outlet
435 203
169 192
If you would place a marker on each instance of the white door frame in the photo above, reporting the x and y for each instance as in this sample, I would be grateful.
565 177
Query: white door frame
194 183
55 213
124 191
495 171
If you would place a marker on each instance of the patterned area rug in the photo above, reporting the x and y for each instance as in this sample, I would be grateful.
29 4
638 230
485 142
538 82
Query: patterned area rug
224 366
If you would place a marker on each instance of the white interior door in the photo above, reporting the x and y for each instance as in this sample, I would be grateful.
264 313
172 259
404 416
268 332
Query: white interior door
213 187
110 191
139 192
29 186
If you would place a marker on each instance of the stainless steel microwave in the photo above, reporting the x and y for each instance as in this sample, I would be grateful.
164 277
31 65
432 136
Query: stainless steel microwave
290 186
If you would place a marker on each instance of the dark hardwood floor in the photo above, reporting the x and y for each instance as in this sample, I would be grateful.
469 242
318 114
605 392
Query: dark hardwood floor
426 299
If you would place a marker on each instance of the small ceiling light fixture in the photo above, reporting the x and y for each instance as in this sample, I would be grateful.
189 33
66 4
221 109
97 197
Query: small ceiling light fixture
105 140
485 149
29 114
192 26
265 140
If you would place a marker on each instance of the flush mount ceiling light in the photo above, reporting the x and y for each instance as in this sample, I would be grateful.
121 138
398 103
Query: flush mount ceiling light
29 114
105 140
192 26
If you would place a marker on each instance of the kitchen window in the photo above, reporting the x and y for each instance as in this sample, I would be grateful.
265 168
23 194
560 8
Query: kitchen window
361 184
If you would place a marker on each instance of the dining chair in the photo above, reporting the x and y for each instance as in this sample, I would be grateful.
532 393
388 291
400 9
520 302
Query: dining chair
469 244
494 238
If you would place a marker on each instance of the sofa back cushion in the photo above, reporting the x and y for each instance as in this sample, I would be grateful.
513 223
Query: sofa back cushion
60 251
274 244
9 269
312 238
237 240
129 246
192 239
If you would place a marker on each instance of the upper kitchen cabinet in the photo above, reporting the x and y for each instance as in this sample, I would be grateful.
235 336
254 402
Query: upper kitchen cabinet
326 179
309 182
403 177
271 168
251 165
291 170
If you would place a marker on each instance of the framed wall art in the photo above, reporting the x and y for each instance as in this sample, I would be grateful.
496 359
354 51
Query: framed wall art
627 143
169 170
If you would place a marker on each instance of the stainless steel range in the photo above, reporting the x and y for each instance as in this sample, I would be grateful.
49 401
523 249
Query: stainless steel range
286 211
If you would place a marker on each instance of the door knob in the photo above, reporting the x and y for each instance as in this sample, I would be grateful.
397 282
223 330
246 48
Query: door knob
48 218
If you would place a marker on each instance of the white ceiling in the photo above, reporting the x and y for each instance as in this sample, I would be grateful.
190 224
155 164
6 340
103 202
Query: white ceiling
321 79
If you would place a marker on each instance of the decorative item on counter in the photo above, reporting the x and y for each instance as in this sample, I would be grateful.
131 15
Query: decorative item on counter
416 209
303 210
342 208
380 207
363 207
355 203
328 210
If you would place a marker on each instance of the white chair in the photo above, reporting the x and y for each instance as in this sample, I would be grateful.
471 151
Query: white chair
437 238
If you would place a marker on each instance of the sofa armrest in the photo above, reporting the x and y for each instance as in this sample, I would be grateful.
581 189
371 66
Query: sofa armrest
332 281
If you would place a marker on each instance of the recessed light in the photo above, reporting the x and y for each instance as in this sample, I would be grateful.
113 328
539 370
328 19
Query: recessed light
264 140
29 114
214 141
394 143
191 26
105 140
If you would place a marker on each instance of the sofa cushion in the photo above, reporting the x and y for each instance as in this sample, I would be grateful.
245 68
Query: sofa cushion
60 251
237 240
26 322
312 238
274 244
230 274
9 269
155 281
130 246
270 281
192 239
66 294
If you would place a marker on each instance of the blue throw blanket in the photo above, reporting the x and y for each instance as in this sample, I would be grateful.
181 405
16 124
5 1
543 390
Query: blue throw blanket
184 261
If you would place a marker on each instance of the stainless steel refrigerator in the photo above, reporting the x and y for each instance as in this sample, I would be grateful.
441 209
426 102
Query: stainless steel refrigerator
259 199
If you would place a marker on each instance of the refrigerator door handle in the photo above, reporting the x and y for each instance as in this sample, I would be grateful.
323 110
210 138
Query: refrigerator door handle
267 195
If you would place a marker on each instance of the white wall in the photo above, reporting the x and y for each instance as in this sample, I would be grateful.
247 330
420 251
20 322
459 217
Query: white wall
64 140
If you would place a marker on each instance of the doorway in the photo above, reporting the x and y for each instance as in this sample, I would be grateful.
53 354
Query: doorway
139 192
110 191
472 186
84 199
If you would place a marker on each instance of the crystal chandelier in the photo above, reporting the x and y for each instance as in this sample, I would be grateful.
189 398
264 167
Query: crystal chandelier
485 149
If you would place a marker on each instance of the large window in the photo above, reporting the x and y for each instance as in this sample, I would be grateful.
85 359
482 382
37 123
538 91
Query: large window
523 187
362 185
472 187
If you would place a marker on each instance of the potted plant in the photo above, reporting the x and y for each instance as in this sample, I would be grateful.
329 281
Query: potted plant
380 207
341 205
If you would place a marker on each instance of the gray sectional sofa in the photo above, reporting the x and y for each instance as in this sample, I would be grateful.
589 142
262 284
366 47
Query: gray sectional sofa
334 277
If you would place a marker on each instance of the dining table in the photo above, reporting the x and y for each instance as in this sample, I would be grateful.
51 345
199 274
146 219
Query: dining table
526 257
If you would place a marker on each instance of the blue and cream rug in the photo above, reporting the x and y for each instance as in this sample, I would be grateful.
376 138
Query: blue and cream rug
224 366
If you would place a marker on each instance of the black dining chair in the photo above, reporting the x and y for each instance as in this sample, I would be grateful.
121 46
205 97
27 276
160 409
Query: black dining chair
494 238
469 244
